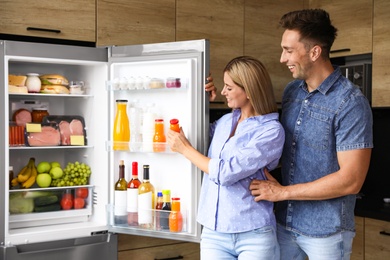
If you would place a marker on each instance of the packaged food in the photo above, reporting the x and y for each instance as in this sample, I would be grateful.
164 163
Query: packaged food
38 114
76 87
173 83
156 83
71 128
45 134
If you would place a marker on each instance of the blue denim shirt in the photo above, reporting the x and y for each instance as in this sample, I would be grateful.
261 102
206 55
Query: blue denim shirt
334 117
226 204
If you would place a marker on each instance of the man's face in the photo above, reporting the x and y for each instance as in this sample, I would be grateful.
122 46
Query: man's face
295 55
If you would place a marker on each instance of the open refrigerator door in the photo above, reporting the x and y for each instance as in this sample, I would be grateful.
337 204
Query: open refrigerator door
90 151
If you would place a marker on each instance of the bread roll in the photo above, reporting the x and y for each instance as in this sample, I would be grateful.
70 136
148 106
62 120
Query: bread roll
54 89
53 79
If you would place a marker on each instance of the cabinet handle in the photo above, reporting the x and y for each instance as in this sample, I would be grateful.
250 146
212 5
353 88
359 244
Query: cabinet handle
340 50
384 233
170 258
43 30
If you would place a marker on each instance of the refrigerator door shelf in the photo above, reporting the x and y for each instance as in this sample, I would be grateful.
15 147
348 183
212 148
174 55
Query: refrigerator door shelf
142 147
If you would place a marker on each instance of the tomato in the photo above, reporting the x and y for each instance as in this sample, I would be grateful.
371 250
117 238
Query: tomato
67 201
79 203
82 193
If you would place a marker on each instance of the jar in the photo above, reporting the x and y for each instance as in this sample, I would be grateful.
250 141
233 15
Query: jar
33 83
173 83
38 114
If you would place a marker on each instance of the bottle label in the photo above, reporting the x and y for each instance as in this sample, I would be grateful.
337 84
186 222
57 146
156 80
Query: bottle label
120 202
145 214
132 200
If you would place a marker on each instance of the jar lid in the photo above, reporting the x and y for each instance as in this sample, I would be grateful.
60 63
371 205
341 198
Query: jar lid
32 74
40 108
174 121
159 120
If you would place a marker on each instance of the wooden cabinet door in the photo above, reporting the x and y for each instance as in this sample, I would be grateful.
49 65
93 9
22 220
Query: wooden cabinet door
127 22
377 239
358 241
262 38
59 19
220 21
353 19
381 54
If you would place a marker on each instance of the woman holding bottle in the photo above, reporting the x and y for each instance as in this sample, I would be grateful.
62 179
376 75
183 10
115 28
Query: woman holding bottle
243 143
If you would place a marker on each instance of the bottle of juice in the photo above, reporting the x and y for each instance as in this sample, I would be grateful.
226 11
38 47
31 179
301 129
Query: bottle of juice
159 138
174 125
159 206
121 132
175 217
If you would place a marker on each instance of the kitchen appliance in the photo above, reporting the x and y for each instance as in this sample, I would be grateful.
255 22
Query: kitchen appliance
360 75
90 233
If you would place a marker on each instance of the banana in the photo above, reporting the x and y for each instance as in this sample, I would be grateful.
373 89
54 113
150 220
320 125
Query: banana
31 180
14 182
25 173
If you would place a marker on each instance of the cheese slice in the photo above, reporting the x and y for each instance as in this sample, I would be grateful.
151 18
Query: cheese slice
17 80
17 90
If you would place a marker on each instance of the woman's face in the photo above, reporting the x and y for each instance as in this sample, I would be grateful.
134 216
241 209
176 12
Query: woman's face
235 95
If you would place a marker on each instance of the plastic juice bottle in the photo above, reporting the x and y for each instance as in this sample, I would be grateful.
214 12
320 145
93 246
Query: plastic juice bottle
159 138
121 133
174 125
132 197
175 217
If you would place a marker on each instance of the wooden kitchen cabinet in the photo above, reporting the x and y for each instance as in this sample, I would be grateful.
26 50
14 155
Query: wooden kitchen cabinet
358 241
220 21
127 22
381 54
149 248
262 38
354 20
377 239
57 19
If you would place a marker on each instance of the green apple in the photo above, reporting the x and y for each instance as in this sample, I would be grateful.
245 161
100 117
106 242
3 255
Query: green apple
56 173
43 167
55 164
43 180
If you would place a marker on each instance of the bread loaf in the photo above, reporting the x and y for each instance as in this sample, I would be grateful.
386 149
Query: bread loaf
17 80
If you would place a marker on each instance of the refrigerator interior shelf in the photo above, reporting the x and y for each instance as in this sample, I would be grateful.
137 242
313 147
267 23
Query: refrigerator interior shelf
50 147
29 95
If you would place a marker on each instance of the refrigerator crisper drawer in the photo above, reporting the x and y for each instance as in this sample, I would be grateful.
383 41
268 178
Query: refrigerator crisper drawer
96 247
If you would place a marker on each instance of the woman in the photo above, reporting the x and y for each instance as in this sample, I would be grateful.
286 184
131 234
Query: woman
243 143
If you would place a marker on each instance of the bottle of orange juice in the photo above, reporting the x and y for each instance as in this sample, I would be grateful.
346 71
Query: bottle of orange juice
121 133
159 138
174 125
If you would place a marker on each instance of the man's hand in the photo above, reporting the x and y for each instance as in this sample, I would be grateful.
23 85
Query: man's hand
270 189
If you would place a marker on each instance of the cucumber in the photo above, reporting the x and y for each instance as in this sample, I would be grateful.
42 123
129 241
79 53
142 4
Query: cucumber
45 200
48 208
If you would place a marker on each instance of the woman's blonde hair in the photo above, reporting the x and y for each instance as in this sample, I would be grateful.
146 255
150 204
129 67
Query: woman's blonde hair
250 74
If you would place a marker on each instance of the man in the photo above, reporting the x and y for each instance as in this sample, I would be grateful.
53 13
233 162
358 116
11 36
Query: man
328 127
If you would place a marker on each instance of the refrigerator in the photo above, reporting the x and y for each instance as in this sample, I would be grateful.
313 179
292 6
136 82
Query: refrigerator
109 74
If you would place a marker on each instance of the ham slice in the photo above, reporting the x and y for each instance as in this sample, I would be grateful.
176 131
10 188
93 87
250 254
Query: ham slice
49 136
76 127
65 132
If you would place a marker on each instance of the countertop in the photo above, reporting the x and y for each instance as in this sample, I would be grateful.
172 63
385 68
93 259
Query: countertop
374 208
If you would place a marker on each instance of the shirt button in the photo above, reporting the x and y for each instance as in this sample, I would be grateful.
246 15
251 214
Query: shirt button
299 122
306 100
293 144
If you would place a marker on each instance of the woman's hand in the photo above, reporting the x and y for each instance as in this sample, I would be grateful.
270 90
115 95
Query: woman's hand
210 88
177 141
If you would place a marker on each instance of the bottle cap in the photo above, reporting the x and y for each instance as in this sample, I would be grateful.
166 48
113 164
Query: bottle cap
174 121
134 169
159 194
166 192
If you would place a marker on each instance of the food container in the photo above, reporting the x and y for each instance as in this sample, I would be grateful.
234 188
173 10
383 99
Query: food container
173 83
45 134
33 83
72 129
76 87
156 83
38 114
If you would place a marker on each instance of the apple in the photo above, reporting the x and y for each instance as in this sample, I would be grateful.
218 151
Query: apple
43 167
55 164
43 180
56 172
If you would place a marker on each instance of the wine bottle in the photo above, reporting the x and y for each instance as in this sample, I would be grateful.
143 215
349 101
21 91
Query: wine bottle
164 218
132 196
146 202
120 196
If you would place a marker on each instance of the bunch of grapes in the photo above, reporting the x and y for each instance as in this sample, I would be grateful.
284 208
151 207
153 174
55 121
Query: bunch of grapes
75 174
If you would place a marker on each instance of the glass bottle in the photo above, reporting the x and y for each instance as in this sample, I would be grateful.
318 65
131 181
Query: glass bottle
146 200
159 138
159 206
174 125
121 132
164 220
175 217
120 196
132 196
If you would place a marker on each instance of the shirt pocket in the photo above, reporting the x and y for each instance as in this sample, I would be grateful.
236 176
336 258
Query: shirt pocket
316 130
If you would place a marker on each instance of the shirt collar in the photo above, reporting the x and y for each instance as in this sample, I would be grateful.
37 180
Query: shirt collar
327 84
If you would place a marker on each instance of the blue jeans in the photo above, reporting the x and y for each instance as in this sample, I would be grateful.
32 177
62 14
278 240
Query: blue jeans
294 246
259 244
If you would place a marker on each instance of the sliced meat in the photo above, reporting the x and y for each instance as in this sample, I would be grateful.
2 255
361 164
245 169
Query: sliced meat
22 116
65 132
49 136
76 127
